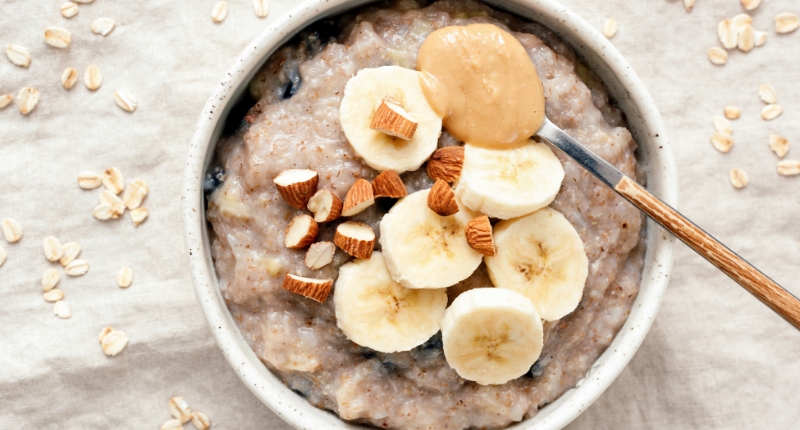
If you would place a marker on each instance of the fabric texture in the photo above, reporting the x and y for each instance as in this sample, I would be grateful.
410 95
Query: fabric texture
715 357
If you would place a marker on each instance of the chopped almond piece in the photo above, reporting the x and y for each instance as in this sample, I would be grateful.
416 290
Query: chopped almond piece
445 163
325 206
392 119
388 184
319 255
479 235
297 186
300 232
441 199
358 198
355 238
314 289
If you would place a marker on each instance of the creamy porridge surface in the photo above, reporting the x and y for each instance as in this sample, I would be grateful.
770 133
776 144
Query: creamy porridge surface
295 125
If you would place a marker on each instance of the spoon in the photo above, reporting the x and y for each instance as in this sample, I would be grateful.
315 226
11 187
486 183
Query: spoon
757 283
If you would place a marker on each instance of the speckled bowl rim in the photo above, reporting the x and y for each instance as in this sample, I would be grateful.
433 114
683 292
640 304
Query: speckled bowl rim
595 50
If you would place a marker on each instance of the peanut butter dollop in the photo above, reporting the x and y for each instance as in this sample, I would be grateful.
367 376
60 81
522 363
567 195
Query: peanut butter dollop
480 79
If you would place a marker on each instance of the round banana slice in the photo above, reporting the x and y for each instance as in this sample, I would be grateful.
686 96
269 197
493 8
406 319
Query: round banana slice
364 93
507 183
491 336
540 256
374 311
423 249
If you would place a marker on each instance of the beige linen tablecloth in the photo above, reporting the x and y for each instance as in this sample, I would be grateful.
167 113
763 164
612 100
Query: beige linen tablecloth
715 357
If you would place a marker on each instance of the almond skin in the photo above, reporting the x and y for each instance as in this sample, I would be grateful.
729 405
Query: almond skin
392 119
297 186
445 163
358 198
325 205
346 239
479 235
315 289
441 199
389 184
300 239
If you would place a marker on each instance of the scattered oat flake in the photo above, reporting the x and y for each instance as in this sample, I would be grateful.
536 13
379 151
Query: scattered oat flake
69 77
114 342
747 39
738 178
688 5
3 256
767 94
770 112
92 77
732 112
261 8
62 310
124 277
27 99
11 230
69 9
722 142
53 295
50 279
786 22
179 409
53 250
717 55
171 425
789 167
89 180
742 20
113 180
723 126
5 100
751 4
728 35
103 26
220 11
200 421
18 55
778 144
761 38
112 200
125 100
103 333
610 27
138 215
77 268
103 212
57 37
71 251
134 194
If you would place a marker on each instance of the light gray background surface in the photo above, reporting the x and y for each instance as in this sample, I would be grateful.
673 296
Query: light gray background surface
715 357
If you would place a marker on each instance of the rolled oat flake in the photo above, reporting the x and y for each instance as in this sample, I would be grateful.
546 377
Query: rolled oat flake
77 268
789 167
125 100
27 99
50 279
11 230
53 250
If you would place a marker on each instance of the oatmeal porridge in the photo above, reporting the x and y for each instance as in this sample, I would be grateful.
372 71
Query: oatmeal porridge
294 197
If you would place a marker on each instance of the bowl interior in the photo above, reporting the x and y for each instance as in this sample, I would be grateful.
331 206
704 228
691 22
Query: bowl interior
624 87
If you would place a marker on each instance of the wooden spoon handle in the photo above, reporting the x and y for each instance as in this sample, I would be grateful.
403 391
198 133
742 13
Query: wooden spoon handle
757 283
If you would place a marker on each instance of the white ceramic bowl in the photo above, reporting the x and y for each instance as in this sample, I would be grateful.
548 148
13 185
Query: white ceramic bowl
598 53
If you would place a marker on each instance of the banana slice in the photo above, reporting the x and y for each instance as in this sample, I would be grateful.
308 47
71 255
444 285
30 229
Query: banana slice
374 311
540 256
423 249
507 183
364 93
491 336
